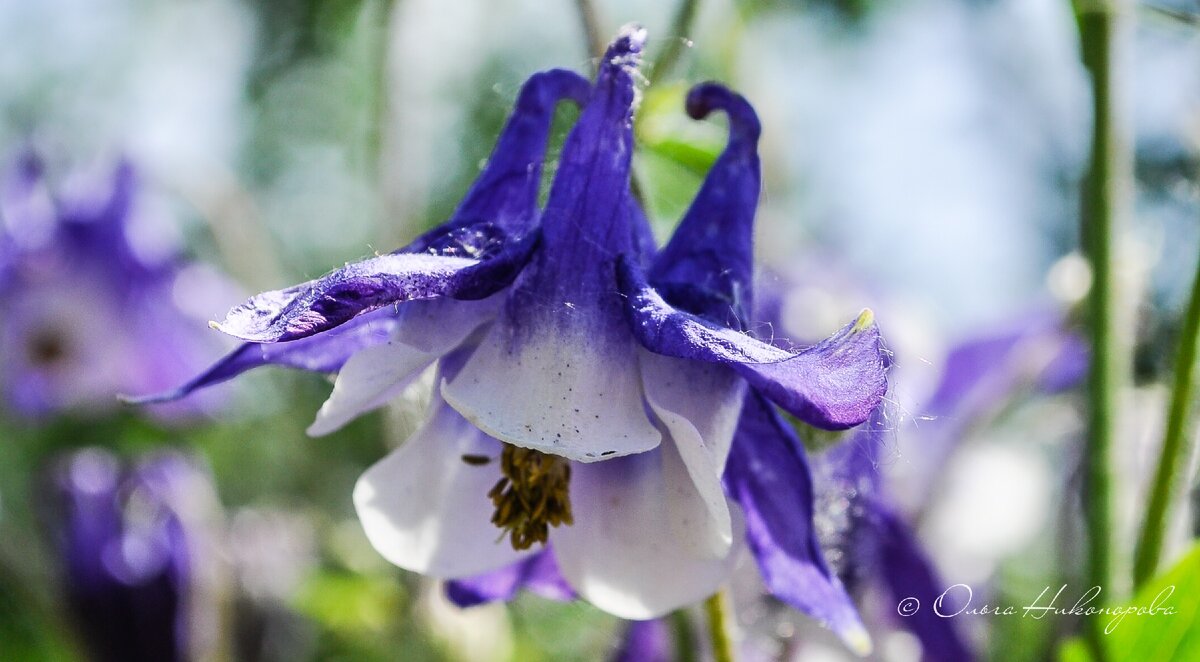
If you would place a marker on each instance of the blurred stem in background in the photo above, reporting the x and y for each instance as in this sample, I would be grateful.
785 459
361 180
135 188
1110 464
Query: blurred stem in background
718 611
589 19
676 39
1106 196
377 131
684 635
1175 455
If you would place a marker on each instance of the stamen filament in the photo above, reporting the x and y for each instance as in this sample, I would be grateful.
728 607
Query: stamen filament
531 496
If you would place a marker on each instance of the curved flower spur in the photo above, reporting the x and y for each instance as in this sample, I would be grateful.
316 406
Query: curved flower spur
577 392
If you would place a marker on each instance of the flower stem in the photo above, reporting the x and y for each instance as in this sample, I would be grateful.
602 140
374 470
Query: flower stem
716 608
589 19
377 129
681 27
1174 455
683 635
1105 194
378 134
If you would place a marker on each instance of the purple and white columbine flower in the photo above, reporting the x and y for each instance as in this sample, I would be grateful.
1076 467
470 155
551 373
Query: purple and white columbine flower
708 387
576 391
88 288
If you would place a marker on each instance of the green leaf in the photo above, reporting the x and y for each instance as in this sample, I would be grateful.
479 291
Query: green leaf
1162 623
350 603
1172 635
1075 650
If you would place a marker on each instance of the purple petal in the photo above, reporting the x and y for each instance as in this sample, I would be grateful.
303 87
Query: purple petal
853 465
1037 347
646 641
320 305
538 573
708 266
1068 367
326 353
834 384
97 226
982 374
907 572
768 475
27 213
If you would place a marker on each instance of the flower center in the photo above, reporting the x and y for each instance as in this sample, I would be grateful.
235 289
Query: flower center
532 496
47 347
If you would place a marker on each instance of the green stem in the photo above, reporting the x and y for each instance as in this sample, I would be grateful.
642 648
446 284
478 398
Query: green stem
684 636
681 27
1105 192
377 128
1175 455
716 608
589 19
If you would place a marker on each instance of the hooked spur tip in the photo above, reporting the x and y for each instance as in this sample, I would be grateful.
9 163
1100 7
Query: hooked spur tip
543 90
707 97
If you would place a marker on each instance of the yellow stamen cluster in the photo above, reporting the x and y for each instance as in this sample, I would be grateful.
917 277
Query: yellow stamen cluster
532 495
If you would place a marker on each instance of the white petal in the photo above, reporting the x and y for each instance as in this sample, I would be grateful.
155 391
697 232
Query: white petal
439 325
616 555
557 392
425 509
369 380
377 374
698 404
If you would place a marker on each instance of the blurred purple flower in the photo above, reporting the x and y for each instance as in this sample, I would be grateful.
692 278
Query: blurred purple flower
980 375
878 546
128 542
88 294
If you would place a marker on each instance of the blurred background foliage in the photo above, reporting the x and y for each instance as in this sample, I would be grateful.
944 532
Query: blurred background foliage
921 157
